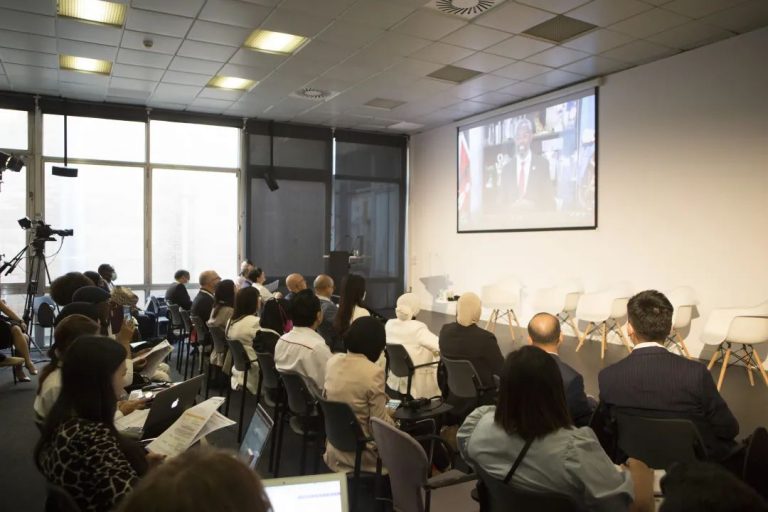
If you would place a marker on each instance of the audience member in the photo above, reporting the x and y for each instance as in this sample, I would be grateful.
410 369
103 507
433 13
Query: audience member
79 448
12 330
271 326
204 301
420 344
351 303
107 272
295 283
63 287
257 277
664 384
324 290
79 308
243 328
464 339
6 361
224 304
302 350
355 378
242 278
177 293
699 486
96 278
544 332
531 425
199 480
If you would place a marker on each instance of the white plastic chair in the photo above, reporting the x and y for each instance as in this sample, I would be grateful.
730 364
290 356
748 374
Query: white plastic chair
560 301
502 298
603 310
737 326
684 301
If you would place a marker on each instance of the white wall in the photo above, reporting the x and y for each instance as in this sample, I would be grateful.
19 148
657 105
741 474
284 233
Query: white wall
683 190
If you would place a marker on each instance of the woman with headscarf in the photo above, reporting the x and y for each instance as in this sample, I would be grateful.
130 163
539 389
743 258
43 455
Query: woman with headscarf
420 344
355 378
464 339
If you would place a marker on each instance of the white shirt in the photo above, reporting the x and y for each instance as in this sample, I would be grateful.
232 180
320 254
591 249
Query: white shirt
422 346
244 330
524 165
358 312
263 292
648 344
49 392
303 351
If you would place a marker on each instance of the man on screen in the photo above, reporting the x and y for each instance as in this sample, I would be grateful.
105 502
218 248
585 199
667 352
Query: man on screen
527 184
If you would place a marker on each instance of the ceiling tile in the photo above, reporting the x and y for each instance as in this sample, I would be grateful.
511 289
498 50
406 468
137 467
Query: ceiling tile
295 22
480 85
143 58
495 98
413 67
89 50
519 47
194 65
160 44
556 78
30 42
299 66
117 95
218 33
557 56
484 62
248 72
594 66
246 57
521 70
230 12
83 91
524 89
513 17
323 52
27 22
606 12
182 78
166 105
558 6
649 22
350 34
45 7
639 52
131 84
476 37
206 51
376 13
690 35
93 33
330 8
699 8
741 18
137 72
398 44
442 53
13 56
188 8
328 83
78 77
351 72
210 105
175 93
598 41
429 24
213 93
156 23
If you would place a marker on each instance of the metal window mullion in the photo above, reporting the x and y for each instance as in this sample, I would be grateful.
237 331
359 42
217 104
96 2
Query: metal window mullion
147 210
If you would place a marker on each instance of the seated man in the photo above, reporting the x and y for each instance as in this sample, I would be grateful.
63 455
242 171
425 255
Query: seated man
544 332
324 289
177 293
302 350
295 283
664 384
241 281
107 272
203 303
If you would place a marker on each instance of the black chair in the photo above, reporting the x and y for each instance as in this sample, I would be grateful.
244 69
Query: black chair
756 462
401 365
45 315
241 363
496 496
203 339
177 332
305 420
658 442
59 500
220 349
187 321
464 381
272 390
159 308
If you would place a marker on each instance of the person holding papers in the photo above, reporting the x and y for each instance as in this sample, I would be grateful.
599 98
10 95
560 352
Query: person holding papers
79 448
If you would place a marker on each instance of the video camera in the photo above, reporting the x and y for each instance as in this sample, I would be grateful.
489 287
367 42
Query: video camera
43 231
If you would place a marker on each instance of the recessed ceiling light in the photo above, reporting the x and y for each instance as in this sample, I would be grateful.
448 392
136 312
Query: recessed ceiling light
108 13
231 82
101 67
384 103
275 42
454 74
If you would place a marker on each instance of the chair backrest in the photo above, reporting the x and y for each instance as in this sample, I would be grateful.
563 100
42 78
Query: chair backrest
186 319
658 442
270 376
175 311
45 315
619 307
406 462
501 295
748 329
219 339
202 330
239 357
462 377
756 462
682 317
342 429
59 500
571 301
400 363
496 496
301 402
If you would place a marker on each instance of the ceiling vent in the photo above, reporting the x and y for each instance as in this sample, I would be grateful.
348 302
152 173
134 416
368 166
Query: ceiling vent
454 74
384 103
311 93
467 9
560 28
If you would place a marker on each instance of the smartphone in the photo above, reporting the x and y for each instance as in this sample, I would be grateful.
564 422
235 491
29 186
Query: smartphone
393 404
127 313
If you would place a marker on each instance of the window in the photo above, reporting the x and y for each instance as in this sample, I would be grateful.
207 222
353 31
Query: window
13 206
194 223
194 144
93 138
14 133
104 206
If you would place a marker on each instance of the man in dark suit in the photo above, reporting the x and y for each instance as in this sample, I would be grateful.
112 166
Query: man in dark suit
663 384
544 332
203 303
177 293
526 183
324 290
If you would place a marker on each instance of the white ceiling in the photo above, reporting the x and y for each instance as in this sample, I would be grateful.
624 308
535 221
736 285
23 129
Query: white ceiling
361 49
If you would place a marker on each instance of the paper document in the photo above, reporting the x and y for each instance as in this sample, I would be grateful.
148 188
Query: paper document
196 422
136 419
154 357
272 287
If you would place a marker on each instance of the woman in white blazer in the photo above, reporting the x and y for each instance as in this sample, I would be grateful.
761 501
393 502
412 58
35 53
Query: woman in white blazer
243 328
421 345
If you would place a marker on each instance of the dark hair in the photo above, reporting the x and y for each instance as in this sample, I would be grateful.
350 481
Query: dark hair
304 308
706 486
366 336
650 314
224 295
531 396
352 291
93 276
105 268
198 481
273 315
254 274
544 328
246 303
63 287
181 273
65 333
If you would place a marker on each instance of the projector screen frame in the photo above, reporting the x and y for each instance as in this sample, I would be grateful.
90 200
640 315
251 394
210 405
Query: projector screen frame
526 105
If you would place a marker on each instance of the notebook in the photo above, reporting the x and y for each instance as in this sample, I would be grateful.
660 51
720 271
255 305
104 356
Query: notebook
316 493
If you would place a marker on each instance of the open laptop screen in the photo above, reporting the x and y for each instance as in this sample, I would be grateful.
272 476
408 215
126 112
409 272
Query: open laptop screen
255 440
316 493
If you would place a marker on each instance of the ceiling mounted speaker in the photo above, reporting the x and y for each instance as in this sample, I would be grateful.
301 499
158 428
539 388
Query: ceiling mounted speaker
466 9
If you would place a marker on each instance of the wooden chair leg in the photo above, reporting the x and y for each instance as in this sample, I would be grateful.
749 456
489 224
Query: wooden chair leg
584 335
510 316
572 323
623 337
760 366
681 341
714 357
724 367
491 321
604 340
748 367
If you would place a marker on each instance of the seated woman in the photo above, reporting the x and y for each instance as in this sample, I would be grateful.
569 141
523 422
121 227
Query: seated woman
421 345
79 448
224 304
12 335
355 378
271 326
351 303
257 276
531 426
243 328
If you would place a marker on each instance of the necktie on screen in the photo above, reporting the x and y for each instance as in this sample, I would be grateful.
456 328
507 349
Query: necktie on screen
521 178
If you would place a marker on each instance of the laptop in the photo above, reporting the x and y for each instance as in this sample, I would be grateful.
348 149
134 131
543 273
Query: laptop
316 493
169 404
255 440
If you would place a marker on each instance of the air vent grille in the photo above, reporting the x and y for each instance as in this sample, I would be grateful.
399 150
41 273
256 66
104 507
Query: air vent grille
467 9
